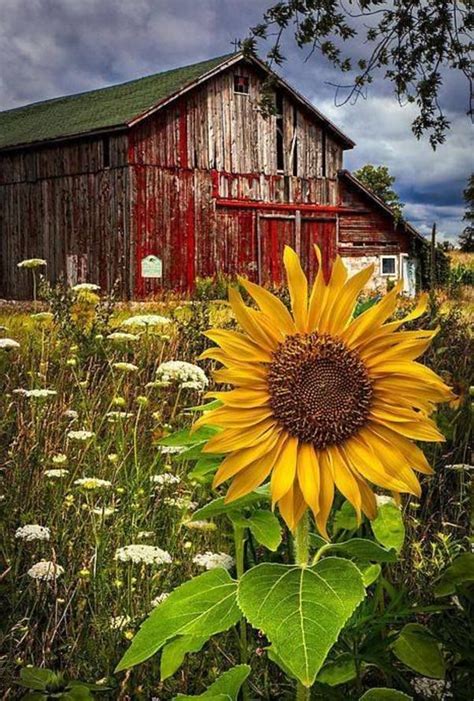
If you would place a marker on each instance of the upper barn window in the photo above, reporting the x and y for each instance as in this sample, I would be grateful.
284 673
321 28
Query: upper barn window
241 84
388 265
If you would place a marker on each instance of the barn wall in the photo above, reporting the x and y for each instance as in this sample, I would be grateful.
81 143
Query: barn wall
77 221
215 128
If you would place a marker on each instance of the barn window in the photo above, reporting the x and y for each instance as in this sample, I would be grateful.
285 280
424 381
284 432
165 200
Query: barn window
241 84
279 132
106 152
388 265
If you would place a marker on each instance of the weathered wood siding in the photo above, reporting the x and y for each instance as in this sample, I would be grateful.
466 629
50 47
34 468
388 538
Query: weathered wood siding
61 204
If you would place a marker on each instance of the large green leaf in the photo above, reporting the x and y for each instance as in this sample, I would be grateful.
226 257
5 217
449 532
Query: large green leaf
365 550
370 572
36 677
459 572
418 649
339 671
200 607
388 526
216 507
174 652
225 688
345 518
205 468
264 526
301 610
186 437
384 695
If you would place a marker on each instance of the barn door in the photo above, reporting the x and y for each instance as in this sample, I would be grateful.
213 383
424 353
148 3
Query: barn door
323 233
274 232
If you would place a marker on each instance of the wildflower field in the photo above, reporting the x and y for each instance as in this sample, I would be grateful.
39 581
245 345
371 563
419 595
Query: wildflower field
112 478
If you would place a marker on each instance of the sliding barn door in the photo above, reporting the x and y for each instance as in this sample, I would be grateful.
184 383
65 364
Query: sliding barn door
323 233
274 233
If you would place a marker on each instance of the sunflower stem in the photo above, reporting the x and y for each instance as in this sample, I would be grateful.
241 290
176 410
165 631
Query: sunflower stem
301 549
239 546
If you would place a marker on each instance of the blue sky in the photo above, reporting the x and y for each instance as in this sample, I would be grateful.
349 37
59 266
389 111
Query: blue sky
54 47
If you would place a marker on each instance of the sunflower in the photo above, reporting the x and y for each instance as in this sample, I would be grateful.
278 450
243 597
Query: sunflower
322 400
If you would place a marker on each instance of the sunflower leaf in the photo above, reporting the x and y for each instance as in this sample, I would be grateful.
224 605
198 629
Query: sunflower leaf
199 608
174 652
225 688
365 550
418 649
264 526
218 506
301 610
459 572
380 694
338 671
388 527
186 438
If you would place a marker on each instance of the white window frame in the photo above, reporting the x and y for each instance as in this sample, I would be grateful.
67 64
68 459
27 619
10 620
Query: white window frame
395 259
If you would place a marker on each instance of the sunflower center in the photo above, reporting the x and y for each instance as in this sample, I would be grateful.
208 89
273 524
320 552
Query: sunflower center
320 391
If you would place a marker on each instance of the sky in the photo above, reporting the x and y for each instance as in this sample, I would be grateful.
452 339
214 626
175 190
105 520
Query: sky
57 47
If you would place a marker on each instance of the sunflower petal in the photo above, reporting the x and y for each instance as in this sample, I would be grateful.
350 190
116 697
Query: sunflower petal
292 506
343 307
241 397
298 288
326 495
234 439
308 475
344 479
284 470
254 323
238 345
253 475
364 325
270 305
318 296
240 459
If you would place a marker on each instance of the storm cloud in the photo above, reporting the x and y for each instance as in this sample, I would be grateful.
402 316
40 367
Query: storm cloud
55 47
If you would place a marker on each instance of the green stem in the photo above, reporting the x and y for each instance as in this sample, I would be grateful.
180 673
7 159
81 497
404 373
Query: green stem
301 548
239 546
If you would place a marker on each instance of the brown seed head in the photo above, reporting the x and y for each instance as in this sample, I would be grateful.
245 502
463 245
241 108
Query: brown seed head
320 391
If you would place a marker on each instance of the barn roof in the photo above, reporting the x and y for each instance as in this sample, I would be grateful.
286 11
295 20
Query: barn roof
119 106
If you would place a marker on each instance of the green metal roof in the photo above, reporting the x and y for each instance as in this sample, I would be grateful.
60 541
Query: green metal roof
92 111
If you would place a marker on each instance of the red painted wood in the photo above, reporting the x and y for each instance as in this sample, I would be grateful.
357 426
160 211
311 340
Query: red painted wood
279 206
323 234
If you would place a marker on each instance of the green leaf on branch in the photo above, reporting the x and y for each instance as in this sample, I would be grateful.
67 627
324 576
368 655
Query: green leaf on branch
204 468
185 437
385 695
388 526
205 407
345 519
418 649
459 572
36 677
217 507
365 550
225 688
301 610
200 608
339 671
174 652
264 526
370 572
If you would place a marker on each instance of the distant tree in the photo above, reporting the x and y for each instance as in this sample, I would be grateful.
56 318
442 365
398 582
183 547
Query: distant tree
412 44
379 181
466 239
447 246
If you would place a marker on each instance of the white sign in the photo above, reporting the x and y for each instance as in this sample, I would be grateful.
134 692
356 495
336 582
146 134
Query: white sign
152 267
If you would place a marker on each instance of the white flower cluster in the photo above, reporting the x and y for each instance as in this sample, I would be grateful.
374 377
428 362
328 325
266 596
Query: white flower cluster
119 622
91 483
33 532
146 320
159 599
382 499
56 473
122 336
36 393
210 560
32 263
428 688
104 511
86 287
71 414
45 571
182 373
8 344
42 316
113 416
59 459
183 503
146 554
165 479
171 449
80 435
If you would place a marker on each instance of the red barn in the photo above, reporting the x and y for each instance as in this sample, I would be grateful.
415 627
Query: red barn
160 180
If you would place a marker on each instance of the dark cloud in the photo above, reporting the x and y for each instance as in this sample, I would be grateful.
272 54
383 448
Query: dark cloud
54 47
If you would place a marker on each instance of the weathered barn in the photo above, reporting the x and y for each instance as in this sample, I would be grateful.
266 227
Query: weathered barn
177 175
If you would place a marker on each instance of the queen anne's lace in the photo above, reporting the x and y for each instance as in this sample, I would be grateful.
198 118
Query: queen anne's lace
33 532
210 561
145 554
181 373
45 571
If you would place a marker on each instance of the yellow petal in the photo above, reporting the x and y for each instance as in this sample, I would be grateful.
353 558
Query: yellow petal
254 323
230 417
393 461
414 456
297 287
240 459
416 430
239 346
326 493
234 439
344 479
254 377
292 506
364 325
369 503
335 286
308 475
343 307
284 470
270 305
253 475
319 296
241 397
